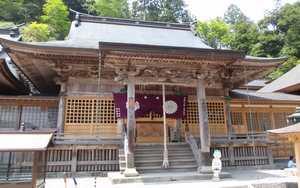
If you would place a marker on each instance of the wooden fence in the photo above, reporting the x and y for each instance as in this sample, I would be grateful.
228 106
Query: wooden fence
63 159
245 155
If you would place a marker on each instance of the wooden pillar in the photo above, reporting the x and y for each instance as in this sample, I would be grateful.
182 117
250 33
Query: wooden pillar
228 114
38 176
203 117
203 124
231 155
20 110
61 109
130 115
297 156
270 155
74 160
130 166
35 168
178 131
120 126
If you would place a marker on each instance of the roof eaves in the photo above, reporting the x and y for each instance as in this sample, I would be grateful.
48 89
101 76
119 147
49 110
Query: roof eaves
109 46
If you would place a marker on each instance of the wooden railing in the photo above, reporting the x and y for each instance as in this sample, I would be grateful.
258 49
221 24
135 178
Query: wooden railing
241 138
61 138
194 147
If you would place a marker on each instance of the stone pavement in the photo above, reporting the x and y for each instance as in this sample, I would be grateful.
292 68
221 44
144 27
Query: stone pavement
240 179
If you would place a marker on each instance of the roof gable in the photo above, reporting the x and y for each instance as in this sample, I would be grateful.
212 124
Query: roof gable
285 82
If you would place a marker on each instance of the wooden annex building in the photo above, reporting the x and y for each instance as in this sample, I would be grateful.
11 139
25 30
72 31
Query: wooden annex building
68 87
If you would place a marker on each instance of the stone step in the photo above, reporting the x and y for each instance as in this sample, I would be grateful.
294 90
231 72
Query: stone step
175 163
160 160
159 169
161 150
161 146
160 157
118 178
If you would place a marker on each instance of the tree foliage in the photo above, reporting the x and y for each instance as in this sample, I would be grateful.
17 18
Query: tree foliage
20 11
56 16
160 10
111 8
234 14
284 25
214 33
35 32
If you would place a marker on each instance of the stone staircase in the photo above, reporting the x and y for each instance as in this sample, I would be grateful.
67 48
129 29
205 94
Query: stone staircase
149 158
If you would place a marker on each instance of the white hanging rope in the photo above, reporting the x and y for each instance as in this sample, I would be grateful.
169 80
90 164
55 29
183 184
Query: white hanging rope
165 157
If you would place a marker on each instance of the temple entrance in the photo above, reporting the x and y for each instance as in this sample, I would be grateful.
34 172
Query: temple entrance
152 131
149 132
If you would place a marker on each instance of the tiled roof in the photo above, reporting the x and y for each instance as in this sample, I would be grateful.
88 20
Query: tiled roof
291 78
88 31
286 130
244 94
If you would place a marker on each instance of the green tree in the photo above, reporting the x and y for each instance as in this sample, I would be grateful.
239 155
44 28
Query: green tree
56 16
243 32
284 23
234 15
288 65
269 44
149 10
111 8
174 11
243 36
214 33
20 11
161 10
35 32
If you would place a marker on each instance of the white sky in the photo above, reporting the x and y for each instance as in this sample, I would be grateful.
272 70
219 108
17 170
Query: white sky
209 9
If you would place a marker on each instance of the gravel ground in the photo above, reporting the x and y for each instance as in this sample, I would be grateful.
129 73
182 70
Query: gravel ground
240 178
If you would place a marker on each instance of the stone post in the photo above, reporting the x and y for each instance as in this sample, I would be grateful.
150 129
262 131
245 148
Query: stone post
203 123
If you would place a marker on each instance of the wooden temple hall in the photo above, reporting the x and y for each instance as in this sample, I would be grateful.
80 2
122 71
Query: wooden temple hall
101 91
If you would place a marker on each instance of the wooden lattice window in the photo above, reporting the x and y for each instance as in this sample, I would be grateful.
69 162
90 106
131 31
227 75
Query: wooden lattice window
236 118
9 117
191 113
39 117
216 113
104 112
90 111
258 121
280 119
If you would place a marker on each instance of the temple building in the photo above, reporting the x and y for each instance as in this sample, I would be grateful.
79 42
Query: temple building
102 92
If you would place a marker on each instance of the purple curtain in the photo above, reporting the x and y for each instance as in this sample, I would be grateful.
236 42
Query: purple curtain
176 105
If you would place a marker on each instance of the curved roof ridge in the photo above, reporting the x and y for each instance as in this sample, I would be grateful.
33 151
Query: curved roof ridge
82 17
